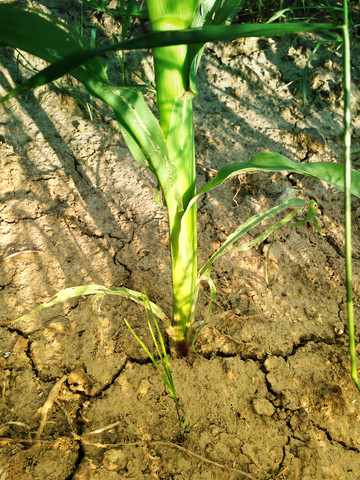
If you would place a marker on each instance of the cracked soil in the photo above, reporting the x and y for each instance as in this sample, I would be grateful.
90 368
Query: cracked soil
269 381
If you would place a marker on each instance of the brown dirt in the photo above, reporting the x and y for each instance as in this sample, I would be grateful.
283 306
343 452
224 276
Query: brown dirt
268 383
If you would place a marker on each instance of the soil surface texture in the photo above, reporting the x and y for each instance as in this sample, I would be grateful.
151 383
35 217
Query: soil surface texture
267 384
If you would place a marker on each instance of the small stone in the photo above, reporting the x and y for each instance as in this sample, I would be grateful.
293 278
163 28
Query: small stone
312 139
282 415
115 460
58 326
143 389
79 381
247 46
21 344
80 126
263 407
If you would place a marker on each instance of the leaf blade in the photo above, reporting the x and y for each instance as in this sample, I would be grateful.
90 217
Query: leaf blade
79 291
17 27
332 173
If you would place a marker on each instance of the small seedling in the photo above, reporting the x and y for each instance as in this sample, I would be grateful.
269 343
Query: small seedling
163 368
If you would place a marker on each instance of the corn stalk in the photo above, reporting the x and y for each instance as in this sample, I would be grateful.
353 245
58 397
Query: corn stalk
175 110
180 29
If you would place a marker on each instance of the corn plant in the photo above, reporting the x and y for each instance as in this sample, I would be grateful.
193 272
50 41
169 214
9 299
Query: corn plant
179 32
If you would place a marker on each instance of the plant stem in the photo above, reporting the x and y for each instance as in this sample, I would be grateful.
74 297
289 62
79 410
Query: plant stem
183 235
347 156
176 120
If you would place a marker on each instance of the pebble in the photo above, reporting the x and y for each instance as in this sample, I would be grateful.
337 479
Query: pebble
79 381
263 407
115 460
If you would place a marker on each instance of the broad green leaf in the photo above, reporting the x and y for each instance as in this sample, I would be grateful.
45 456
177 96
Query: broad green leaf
147 141
27 30
21 29
332 173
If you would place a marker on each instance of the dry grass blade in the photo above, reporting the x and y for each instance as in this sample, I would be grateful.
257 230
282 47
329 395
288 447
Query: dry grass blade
45 409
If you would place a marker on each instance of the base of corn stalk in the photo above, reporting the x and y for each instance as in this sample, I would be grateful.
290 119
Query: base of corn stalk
182 348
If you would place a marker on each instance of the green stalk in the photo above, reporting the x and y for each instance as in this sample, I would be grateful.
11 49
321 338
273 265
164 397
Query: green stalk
183 235
172 66
347 181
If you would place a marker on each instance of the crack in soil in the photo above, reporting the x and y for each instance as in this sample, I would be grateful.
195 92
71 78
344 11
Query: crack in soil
333 243
80 457
332 440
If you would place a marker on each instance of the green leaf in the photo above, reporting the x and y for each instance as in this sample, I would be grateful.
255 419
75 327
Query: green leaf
332 173
155 363
27 30
311 217
209 12
143 134
141 130
295 203
99 290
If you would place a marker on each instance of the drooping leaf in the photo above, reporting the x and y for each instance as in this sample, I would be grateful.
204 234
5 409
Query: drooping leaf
332 173
294 203
99 290
26 30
